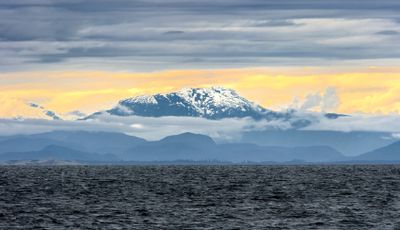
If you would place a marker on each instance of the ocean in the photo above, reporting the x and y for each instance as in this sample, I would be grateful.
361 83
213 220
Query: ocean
200 197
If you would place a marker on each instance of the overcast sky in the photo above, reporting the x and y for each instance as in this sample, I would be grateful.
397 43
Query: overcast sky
171 34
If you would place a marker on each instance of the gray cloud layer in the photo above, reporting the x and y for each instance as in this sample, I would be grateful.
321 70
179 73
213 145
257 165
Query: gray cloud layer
225 130
155 34
146 127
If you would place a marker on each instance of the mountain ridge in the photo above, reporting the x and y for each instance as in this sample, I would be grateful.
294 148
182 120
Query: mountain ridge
55 152
98 146
390 152
210 103
184 146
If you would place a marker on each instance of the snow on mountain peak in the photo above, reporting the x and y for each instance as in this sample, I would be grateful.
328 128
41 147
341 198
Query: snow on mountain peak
142 99
210 103
204 99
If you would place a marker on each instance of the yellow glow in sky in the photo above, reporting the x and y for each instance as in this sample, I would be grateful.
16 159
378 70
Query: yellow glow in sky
368 90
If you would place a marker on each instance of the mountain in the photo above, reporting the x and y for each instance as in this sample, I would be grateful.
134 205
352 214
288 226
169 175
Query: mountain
210 103
188 146
45 162
99 142
191 138
267 146
388 153
320 153
26 143
349 143
54 152
94 142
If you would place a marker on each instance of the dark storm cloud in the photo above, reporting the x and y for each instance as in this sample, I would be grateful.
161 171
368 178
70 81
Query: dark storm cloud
157 34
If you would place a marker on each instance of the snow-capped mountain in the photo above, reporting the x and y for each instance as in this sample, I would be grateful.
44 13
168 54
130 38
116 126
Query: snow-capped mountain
210 103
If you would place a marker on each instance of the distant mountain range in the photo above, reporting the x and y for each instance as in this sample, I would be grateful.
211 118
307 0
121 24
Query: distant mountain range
80 146
388 153
188 146
54 152
93 142
349 143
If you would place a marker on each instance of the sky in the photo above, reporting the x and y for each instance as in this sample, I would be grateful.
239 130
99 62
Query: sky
68 55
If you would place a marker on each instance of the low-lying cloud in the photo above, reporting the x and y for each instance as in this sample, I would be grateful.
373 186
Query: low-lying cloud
225 130
150 128
360 122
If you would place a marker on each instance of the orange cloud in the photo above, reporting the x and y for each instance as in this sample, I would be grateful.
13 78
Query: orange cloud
369 90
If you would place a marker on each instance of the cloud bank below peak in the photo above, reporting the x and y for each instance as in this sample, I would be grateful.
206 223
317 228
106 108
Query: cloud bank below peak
224 130
149 128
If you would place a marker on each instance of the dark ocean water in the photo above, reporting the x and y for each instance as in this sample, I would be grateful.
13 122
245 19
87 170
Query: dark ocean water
200 197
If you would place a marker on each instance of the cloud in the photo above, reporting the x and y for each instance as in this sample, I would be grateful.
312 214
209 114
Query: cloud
359 89
327 101
330 100
77 113
311 101
396 135
224 130
155 35
73 115
360 122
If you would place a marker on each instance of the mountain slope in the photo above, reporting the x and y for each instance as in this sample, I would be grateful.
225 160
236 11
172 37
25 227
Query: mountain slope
185 146
348 143
94 142
387 153
210 103
188 146
54 152
26 143
99 142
